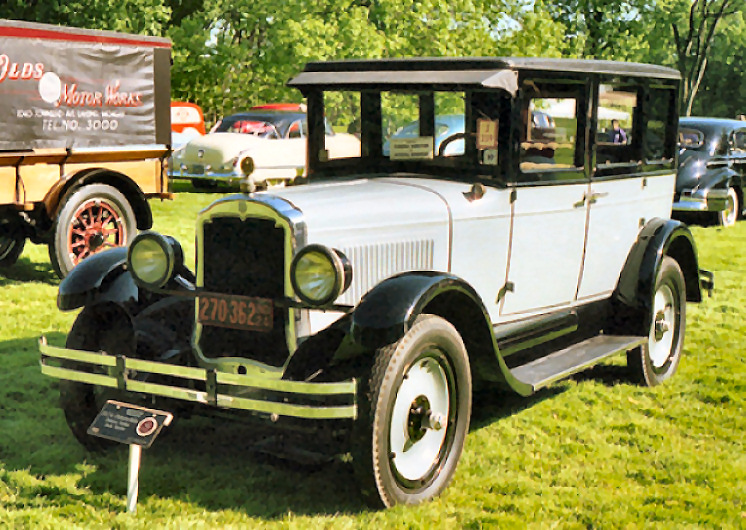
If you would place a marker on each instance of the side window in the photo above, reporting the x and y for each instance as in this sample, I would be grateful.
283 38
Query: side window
342 115
617 102
548 134
658 143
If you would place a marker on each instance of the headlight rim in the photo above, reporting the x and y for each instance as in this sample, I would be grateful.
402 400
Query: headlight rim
171 251
342 274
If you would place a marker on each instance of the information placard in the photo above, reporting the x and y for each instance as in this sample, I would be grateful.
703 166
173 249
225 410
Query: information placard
129 424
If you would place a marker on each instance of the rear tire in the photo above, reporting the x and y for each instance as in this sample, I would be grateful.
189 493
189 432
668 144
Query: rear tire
93 218
12 241
414 408
653 365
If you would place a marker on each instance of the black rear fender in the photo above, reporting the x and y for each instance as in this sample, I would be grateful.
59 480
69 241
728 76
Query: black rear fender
659 238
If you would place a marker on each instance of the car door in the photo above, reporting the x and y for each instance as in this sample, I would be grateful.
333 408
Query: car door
631 183
549 207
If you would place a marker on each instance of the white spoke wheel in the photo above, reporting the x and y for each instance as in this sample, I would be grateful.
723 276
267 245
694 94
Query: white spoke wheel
730 215
414 415
659 361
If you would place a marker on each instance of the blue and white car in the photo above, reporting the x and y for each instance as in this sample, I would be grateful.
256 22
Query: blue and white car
361 310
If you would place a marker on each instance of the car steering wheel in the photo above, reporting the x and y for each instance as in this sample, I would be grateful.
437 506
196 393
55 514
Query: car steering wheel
450 139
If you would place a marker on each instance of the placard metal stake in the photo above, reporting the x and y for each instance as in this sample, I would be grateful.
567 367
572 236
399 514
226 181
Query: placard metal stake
132 478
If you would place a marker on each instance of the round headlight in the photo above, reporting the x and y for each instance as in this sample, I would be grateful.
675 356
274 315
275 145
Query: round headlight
320 274
151 259
247 165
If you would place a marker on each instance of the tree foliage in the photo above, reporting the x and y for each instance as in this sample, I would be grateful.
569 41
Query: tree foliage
230 54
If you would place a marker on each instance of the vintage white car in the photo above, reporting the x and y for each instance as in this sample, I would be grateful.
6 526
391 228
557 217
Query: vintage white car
359 311
268 143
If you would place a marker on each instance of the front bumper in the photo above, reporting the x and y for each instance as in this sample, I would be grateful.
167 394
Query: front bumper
701 200
266 395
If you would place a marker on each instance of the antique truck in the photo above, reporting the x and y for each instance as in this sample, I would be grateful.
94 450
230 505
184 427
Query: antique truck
362 309
86 137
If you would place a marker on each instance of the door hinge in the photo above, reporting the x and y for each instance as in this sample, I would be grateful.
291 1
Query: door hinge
508 287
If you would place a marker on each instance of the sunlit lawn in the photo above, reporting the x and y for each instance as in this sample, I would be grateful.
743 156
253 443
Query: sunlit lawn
595 451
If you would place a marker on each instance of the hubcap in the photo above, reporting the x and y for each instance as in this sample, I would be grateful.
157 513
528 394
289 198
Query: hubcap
730 214
96 225
662 332
419 419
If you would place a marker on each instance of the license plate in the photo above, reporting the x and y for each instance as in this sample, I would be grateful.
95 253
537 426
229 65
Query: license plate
237 312
198 169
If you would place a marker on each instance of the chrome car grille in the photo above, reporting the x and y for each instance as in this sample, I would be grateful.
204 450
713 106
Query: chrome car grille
245 258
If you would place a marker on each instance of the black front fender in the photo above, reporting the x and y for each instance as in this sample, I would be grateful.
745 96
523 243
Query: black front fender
98 278
386 312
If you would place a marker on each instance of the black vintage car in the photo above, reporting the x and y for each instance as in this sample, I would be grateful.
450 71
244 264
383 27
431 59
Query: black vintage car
712 169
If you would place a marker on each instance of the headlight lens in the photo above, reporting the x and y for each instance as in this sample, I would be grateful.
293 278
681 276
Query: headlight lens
320 274
152 259
247 165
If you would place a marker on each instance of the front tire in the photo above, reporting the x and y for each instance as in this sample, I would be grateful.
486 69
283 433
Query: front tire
414 415
98 328
732 212
93 218
653 365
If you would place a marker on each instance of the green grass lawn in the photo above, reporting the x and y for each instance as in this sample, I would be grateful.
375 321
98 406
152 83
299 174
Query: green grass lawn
594 451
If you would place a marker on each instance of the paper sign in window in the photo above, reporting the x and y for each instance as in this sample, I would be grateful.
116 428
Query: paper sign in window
486 134
420 148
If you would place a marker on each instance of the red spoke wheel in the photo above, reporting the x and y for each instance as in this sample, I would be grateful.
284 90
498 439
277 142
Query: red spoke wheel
93 218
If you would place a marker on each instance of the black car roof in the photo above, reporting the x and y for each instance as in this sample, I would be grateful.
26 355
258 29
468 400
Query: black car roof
494 72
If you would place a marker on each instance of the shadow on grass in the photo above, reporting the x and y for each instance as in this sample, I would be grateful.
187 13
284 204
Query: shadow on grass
24 270
211 463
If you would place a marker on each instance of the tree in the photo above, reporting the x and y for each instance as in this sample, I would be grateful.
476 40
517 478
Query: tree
693 39
599 29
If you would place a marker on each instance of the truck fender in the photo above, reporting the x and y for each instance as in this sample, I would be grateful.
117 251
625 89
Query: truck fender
56 195
387 312
658 238
98 278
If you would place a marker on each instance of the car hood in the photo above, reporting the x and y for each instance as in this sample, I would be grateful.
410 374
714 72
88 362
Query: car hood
363 211
694 171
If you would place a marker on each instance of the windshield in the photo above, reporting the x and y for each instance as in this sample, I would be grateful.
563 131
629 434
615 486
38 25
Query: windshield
691 138
429 131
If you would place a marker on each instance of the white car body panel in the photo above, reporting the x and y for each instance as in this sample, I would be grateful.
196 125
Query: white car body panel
274 159
547 248
616 217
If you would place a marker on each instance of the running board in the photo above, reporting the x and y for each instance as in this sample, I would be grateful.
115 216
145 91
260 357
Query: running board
563 363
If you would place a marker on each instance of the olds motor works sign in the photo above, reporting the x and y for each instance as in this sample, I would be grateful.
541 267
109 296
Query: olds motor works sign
72 88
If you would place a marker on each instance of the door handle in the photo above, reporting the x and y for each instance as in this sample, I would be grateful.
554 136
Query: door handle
593 197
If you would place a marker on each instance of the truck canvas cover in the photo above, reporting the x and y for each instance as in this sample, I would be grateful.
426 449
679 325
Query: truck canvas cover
72 88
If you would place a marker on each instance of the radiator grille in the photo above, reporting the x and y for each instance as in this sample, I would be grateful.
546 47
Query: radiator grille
245 258
373 263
